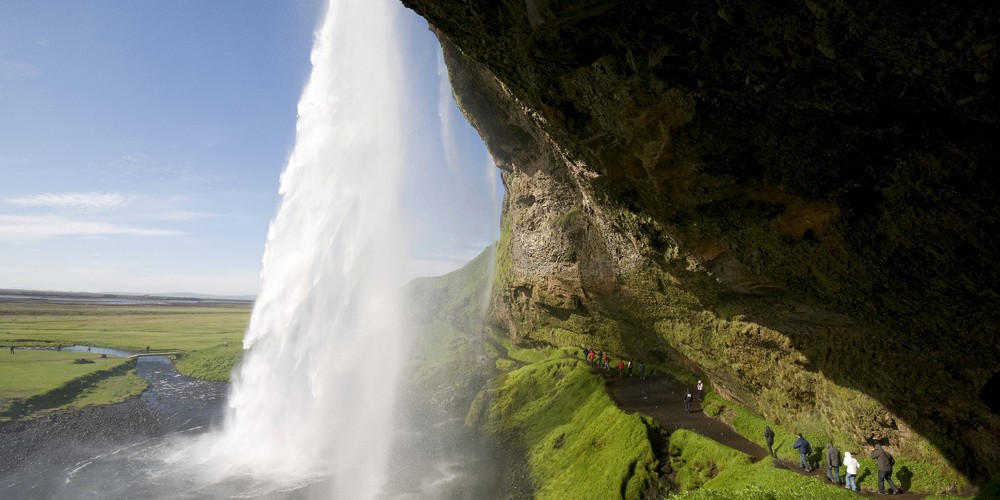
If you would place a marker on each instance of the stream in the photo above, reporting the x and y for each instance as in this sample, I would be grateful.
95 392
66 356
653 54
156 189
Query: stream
111 451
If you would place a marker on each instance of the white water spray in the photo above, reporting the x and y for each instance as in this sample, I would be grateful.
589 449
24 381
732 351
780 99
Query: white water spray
314 396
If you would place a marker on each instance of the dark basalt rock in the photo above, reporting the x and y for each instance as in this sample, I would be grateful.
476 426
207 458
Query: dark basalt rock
780 194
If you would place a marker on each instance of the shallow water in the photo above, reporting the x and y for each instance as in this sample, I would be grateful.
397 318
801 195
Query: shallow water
97 350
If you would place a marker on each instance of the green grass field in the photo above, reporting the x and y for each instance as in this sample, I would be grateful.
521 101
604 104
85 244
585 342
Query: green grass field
30 372
35 381
130 328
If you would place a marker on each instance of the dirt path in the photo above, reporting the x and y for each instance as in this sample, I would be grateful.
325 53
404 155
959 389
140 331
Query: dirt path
662 398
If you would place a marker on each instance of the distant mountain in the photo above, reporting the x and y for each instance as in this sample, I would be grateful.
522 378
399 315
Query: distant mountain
15 295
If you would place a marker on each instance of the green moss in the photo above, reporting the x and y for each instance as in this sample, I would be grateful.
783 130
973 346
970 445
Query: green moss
506 365
504 262
558 411
697 459
564 219
763 481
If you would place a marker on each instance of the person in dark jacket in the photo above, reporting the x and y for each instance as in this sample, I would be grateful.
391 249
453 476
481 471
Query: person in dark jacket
833 464
804 449
687 401
885 462
769 437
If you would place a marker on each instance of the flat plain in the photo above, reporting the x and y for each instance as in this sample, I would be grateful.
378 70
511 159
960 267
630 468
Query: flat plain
36 377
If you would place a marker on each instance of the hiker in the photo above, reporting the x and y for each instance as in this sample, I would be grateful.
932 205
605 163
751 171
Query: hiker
852 465
832 463
147 348
687 401
585 353
621 368
885 463
628 367
701 391
12 349
642 371
590 357
607 361
769 437
804 449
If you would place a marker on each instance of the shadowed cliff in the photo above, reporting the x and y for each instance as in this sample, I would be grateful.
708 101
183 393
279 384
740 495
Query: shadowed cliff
796 199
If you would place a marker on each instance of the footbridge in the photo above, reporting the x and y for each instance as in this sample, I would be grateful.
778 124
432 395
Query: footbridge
154 353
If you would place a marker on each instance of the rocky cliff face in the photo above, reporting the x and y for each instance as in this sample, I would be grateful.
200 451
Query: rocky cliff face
797 199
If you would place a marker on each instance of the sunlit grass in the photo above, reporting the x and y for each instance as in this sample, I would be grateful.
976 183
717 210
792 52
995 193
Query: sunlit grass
579 444
30 372
213 363
697 459
33 381
113 389
36 381
129 328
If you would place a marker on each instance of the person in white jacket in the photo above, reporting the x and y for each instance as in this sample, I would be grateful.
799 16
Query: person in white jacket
852 465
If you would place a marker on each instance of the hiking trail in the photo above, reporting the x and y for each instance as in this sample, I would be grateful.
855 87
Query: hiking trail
662 398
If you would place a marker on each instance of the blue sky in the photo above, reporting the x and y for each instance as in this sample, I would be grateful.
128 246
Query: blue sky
141 144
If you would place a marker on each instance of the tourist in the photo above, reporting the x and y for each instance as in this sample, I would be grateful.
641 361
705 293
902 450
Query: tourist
804 449
688 398
628 367
852 465
885 462
621 368
832 463
769 437
12 349
642 371
701 391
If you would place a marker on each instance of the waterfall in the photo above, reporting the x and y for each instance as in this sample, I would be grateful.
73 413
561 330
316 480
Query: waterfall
314 395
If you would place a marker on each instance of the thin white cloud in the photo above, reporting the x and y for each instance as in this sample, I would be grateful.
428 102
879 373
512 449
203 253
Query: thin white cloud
179 215
31 227
15 69
94 200
141 165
